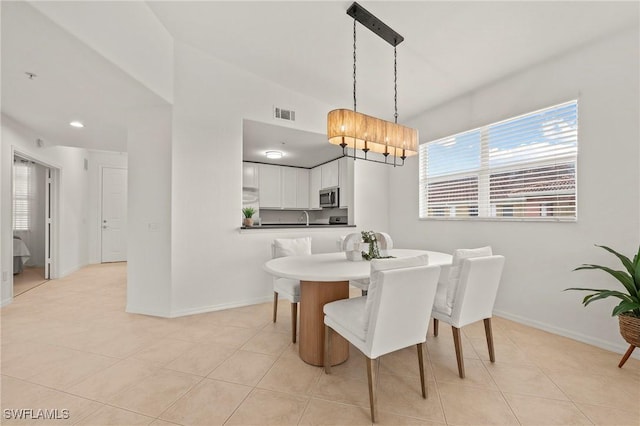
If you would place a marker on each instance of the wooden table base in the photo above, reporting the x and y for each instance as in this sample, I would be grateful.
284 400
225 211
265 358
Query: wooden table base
313 296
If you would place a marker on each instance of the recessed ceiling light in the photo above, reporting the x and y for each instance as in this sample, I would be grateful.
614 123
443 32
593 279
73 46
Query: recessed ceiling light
274 155
77 124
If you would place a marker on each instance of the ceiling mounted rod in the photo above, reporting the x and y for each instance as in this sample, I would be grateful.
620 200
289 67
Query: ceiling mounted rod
367 19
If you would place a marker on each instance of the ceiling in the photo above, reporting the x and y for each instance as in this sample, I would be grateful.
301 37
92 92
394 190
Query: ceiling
300 148
73 82
450 48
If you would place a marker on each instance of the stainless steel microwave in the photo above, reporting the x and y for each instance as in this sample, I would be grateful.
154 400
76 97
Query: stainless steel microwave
330 197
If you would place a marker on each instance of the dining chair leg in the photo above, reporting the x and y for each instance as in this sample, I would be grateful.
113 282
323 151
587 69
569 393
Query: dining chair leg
626 356
372 389
275 305
421 364
489 333
458 344
327 349
294 321
435 327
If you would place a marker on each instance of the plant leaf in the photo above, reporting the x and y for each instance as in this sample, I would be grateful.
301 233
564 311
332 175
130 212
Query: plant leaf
625 279
624 259
625 306
586 289
604 295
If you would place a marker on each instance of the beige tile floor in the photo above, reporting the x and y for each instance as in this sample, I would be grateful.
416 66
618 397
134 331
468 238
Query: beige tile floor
29 278
69 345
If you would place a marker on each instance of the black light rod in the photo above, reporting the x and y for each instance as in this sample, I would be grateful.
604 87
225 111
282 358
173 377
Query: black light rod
367 19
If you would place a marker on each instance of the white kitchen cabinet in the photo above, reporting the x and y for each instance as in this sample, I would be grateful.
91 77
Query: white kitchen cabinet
270 186
289 176
283 187
302 189
346 181
315 184
330 174
250 175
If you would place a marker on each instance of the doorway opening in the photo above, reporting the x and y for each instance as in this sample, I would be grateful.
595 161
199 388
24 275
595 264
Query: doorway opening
32 222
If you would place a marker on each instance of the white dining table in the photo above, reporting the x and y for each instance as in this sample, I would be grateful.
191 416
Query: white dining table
324 278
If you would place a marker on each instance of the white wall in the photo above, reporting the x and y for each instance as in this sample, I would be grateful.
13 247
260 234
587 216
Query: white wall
98 160
149 195
72 199
213 264
540 256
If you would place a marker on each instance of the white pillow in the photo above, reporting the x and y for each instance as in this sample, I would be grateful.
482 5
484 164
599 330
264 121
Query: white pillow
456 266
378 265
291 246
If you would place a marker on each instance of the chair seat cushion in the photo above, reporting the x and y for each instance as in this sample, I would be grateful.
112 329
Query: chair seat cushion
440 302
348 314
287 287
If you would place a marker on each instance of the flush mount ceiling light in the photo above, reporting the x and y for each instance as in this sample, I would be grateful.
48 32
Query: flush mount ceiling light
77 124
274 155
353 130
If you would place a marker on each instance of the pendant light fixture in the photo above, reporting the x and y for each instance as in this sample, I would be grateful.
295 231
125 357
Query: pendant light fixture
360 132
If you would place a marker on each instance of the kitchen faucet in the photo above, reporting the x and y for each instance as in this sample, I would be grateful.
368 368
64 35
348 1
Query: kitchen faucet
307 215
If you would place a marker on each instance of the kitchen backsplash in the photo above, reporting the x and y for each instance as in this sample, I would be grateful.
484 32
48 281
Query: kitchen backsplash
294 216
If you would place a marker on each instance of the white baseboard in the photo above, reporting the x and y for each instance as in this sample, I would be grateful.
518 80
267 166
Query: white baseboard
220 307
5 302
610 346
143 311
71 270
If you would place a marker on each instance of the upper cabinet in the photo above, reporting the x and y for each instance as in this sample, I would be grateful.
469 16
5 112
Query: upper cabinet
302 181
315 185
250 175
330 174
289 184
336 173
283 187
270 186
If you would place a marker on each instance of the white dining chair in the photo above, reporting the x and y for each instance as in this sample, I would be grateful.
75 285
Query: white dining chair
475 282
385 243
393 316
281 247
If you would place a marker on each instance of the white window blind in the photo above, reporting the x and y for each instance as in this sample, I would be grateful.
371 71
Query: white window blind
521 168
22 196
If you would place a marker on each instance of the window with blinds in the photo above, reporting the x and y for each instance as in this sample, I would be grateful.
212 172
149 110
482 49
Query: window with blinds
523 168
21 196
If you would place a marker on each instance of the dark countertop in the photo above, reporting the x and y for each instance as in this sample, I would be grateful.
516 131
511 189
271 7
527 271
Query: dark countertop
296 226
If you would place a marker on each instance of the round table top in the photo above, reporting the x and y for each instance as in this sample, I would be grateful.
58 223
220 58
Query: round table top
336 267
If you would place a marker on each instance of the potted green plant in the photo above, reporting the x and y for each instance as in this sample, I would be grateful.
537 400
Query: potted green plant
628 310
248 213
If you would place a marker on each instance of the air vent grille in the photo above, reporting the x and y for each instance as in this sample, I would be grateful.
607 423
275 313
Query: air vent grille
284 114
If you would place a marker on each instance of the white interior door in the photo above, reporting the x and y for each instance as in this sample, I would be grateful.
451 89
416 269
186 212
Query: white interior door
114 215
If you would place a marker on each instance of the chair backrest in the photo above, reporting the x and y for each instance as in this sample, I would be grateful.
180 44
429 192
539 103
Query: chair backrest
400 301
456 267
282 247
477 289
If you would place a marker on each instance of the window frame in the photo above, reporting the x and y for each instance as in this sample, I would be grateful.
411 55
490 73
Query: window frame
484 172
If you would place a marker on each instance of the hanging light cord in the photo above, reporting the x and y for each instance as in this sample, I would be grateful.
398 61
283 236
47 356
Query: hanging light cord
395 84
354 65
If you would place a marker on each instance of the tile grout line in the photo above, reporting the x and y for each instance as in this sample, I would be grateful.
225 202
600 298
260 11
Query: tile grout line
435 381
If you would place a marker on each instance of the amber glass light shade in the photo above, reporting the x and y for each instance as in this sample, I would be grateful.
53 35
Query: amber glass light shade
355 130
